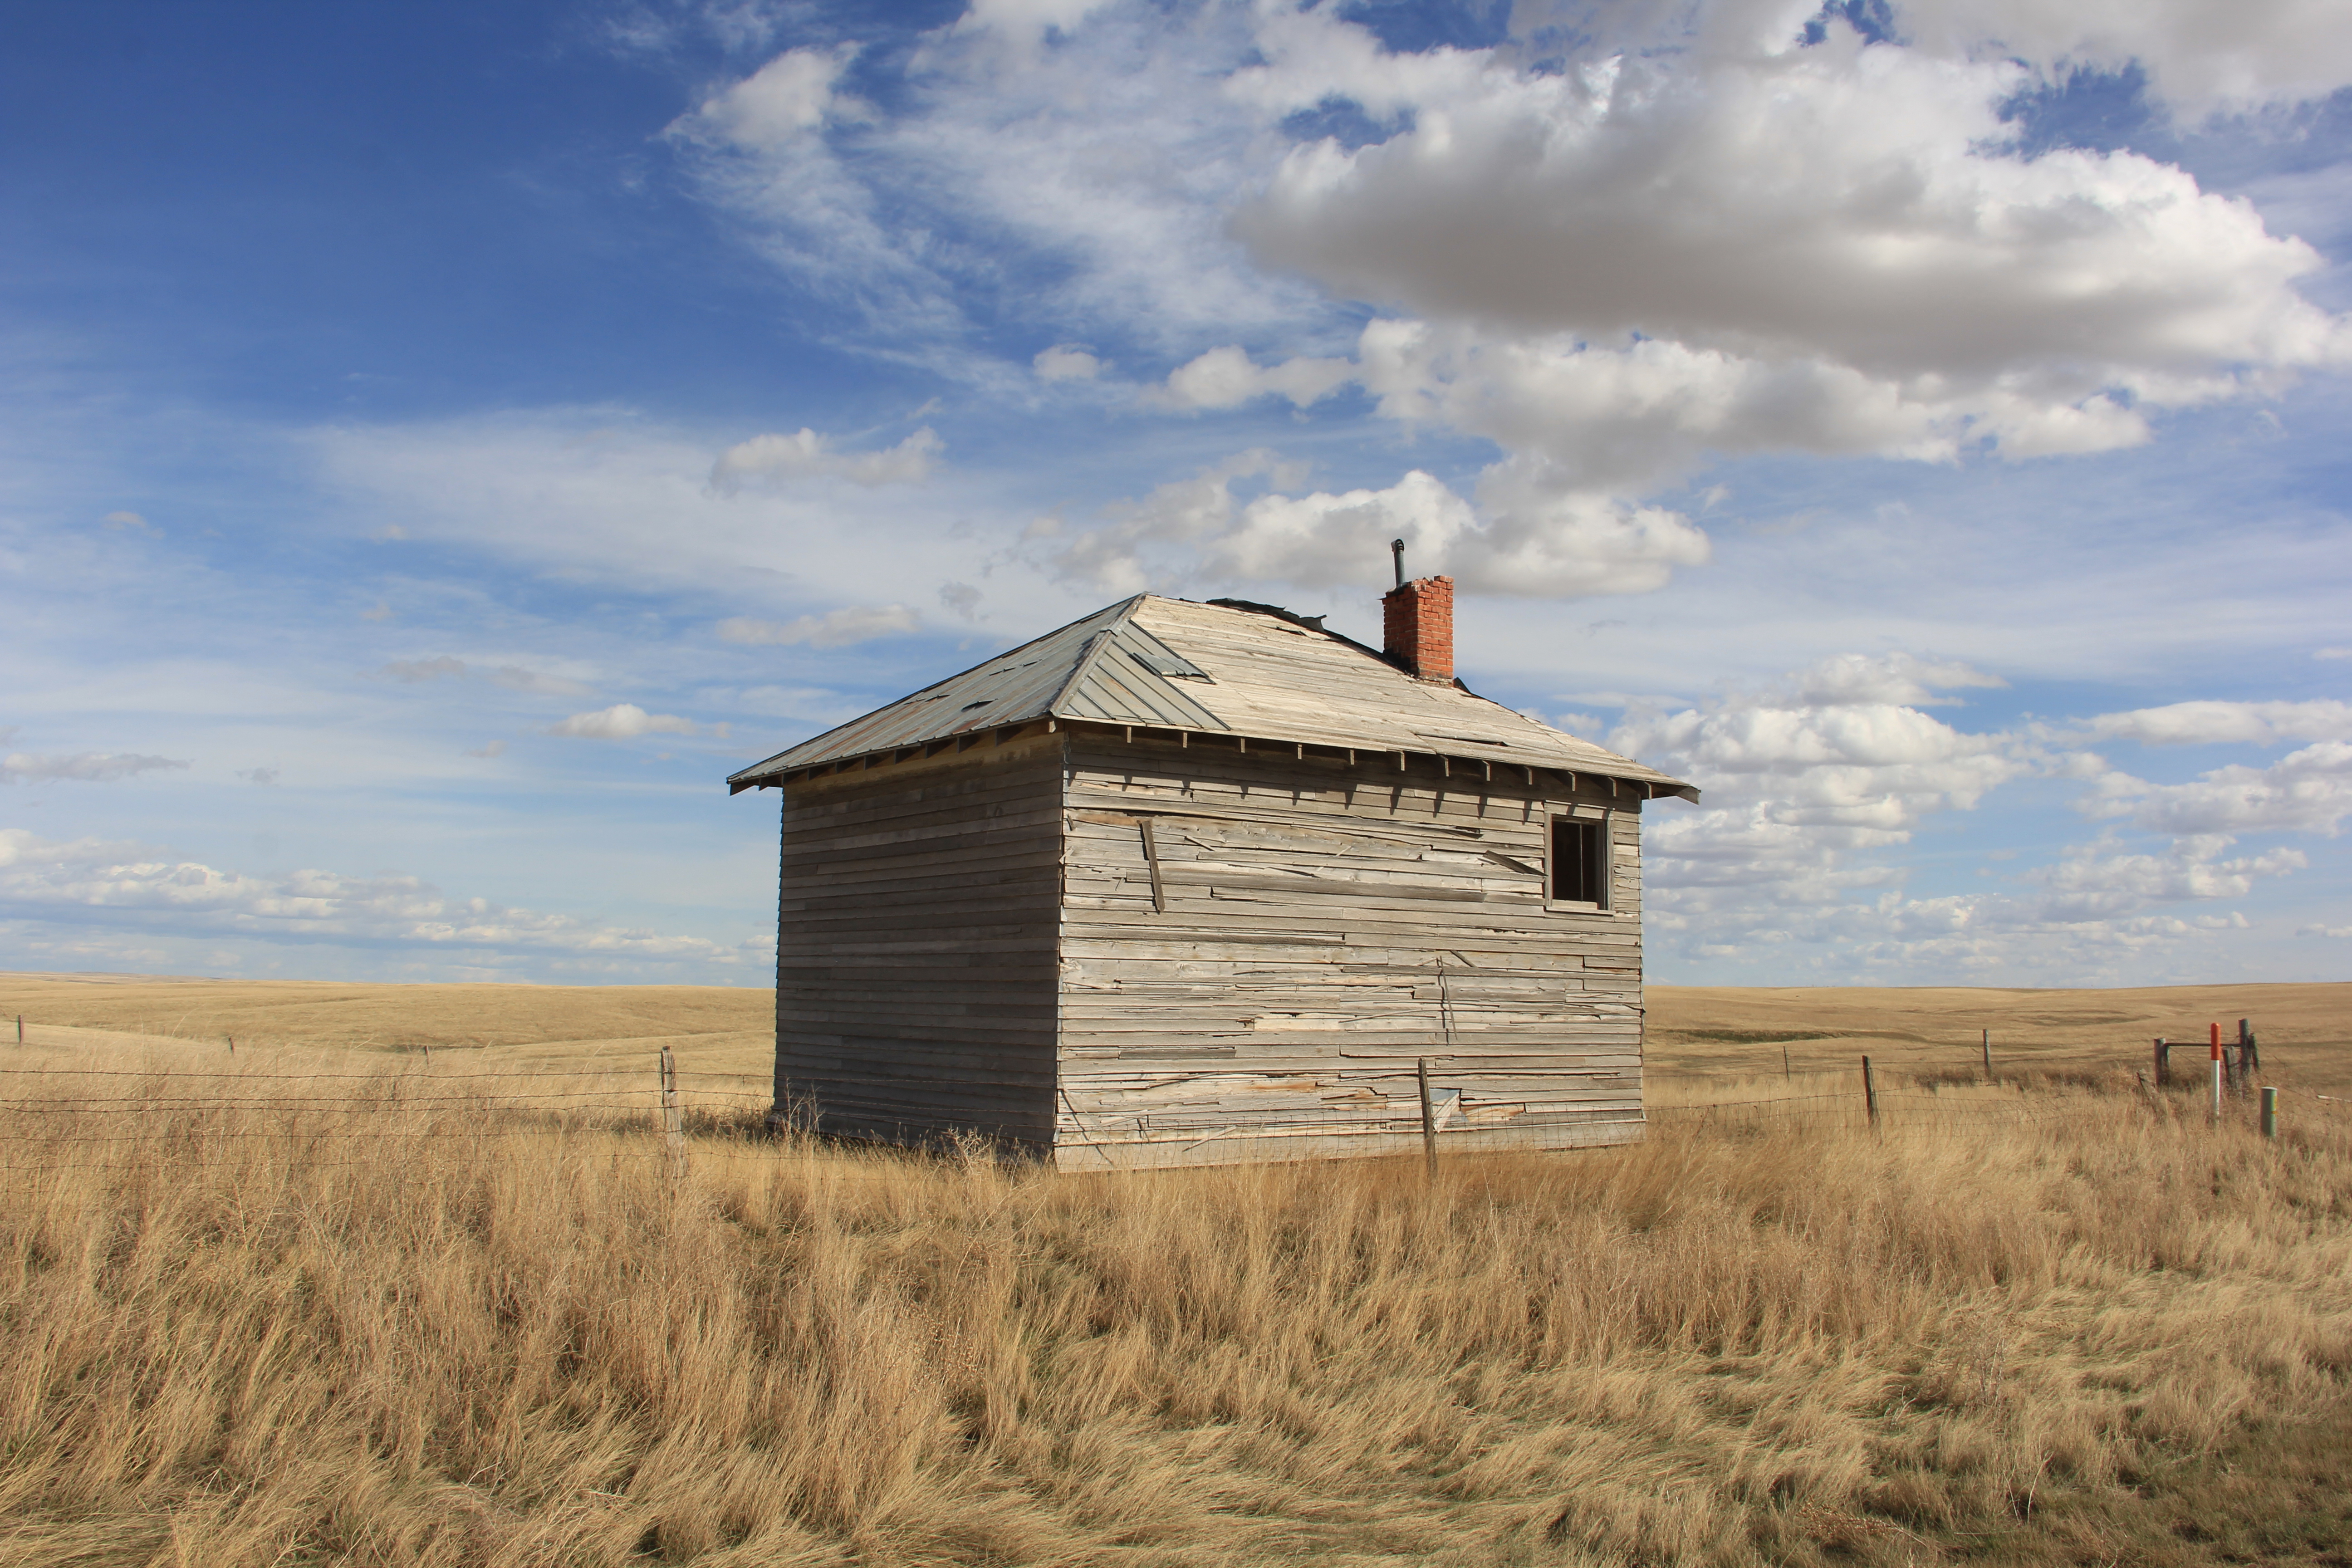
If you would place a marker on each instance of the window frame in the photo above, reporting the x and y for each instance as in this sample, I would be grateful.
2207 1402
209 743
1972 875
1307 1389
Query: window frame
1606 823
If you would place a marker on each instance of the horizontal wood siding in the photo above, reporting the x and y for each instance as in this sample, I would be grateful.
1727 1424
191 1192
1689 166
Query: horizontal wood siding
1323 926
915 961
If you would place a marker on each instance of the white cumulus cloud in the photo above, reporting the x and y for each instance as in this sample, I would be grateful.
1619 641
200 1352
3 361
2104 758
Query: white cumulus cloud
788 98
1848 226
623 721
1226 378
1066 361
1530 541
807 454
2199 58
2309 791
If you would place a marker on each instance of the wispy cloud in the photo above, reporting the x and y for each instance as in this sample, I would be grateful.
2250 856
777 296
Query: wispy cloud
85 767
513 677
2210 723
843 627
133 886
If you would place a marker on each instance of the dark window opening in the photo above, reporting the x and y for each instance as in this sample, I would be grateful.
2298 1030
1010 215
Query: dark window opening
1580 860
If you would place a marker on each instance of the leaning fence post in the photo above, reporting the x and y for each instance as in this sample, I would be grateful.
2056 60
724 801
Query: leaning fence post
1428 1119
2163 1064
1869 1092
673 1118
2270 1111
1988 1055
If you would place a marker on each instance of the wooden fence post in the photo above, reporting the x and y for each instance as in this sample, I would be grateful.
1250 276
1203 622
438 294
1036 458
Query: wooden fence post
1988 1055
2218 1066
2250 1055
2163 1064
1869 1092
2270 1111
673 1118
1428 1119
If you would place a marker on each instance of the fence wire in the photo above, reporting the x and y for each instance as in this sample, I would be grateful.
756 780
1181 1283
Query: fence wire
170 1118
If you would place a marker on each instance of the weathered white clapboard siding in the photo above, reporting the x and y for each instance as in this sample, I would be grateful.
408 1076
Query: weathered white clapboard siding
917 931
1322 927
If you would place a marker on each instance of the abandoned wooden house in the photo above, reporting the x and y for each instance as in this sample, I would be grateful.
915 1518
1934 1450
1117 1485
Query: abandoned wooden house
1182 883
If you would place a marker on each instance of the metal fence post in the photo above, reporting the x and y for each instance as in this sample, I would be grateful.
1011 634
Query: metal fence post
2270 1111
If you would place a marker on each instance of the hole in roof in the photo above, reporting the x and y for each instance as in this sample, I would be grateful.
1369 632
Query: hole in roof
970 705
1173 667
1474 740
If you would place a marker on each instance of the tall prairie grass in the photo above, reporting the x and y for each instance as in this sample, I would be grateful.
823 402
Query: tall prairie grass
279 1326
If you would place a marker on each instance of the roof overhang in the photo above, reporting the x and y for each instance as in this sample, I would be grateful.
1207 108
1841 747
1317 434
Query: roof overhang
777 771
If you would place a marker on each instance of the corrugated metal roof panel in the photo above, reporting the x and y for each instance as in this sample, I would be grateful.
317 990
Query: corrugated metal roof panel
1122 684
1259 677
1010 689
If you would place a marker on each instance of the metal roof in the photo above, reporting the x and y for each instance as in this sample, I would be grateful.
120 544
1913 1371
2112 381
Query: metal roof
1174 665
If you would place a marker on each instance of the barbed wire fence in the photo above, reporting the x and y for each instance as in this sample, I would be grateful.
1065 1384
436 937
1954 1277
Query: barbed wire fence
124 1118
127 1118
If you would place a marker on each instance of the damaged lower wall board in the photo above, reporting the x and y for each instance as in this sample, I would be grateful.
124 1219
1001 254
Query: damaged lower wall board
1255 974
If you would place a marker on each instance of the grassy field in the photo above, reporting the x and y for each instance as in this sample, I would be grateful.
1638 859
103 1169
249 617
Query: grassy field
409 1316
1697 1033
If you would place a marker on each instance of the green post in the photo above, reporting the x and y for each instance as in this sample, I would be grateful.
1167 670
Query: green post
2270 1111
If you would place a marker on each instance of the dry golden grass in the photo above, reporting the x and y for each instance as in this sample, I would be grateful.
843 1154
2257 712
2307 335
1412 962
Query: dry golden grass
352 1321
1696 1032
715 1028
462 1313
1710 1032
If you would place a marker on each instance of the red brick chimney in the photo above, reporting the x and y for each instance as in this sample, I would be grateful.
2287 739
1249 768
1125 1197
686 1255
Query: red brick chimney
1417 627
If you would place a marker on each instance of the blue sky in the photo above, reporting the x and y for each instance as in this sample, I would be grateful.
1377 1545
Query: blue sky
437 444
